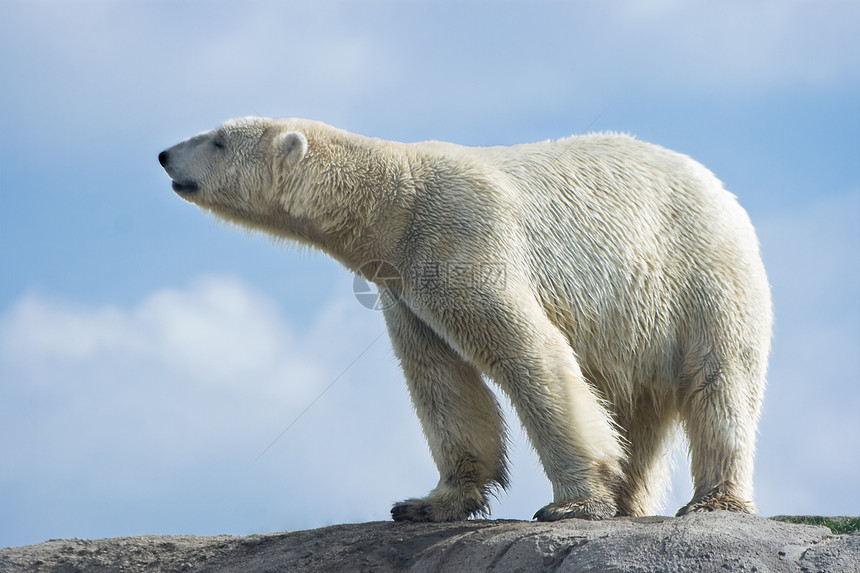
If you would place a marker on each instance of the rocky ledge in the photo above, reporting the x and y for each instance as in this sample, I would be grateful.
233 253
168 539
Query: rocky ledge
701 542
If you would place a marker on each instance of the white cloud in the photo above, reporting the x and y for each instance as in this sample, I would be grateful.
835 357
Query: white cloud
217 331
137 419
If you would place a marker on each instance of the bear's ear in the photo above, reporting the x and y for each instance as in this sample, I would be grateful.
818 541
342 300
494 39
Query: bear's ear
291 147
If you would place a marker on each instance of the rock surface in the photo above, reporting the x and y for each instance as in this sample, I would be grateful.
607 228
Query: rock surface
700 542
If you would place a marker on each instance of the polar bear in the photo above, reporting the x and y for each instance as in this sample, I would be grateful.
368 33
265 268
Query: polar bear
612 288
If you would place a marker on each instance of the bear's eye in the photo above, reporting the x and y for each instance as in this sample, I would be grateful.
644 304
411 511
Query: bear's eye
218 144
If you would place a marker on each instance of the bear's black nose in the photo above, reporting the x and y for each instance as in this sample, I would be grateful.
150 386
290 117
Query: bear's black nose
162 158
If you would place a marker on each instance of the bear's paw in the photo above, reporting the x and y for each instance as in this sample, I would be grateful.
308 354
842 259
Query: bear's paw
438 509
580 509
718 499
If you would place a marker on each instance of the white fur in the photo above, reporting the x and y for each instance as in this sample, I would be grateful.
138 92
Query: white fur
633 298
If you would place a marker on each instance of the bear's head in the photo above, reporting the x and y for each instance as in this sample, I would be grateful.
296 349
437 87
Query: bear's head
247 171
297 179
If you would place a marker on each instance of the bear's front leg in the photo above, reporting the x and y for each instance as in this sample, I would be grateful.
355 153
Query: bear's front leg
570 430
461 420
508 336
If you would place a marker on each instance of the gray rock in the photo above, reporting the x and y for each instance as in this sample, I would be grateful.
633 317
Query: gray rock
699 542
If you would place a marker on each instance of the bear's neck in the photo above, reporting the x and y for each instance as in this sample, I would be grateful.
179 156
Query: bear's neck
367 188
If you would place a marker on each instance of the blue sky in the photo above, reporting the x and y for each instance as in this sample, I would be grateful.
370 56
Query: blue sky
149 355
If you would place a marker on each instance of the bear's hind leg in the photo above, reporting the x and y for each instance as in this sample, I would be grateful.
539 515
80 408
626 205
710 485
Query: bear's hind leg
461 420
719 414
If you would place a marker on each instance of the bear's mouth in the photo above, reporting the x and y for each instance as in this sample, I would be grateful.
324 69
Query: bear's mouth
185 186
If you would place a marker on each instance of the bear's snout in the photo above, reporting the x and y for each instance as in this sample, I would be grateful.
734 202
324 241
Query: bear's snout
184 186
